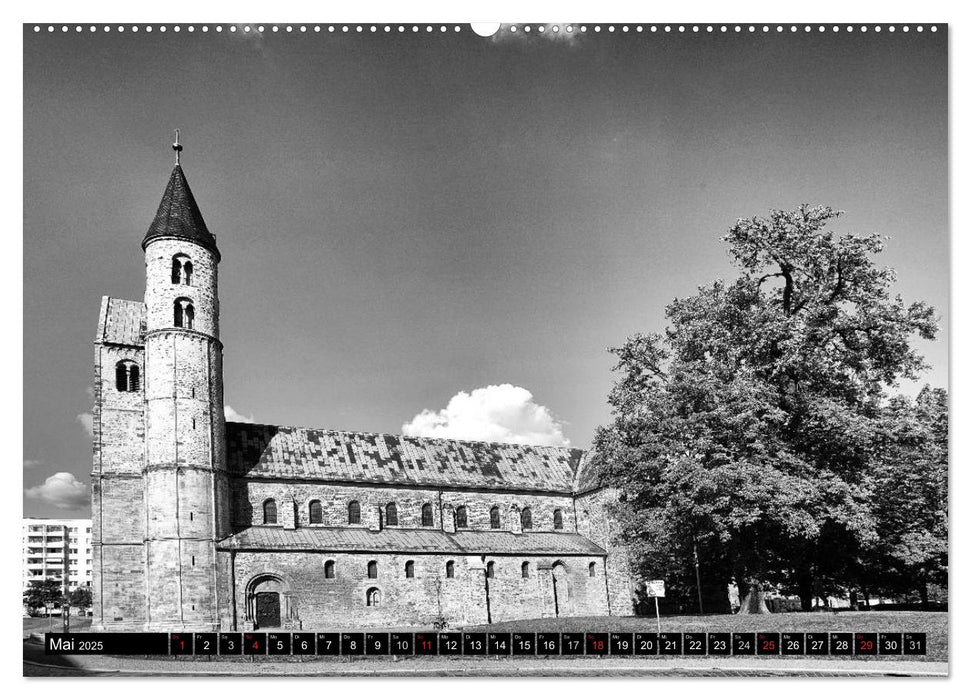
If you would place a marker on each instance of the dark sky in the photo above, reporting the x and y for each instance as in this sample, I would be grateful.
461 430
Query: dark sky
403 217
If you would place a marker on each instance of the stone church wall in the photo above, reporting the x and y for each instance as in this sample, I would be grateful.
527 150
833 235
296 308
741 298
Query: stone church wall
250 495
594 522
117 503
316 602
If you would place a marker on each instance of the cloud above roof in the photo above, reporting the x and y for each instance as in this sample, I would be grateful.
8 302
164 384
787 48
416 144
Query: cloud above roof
87 422
495 413
236 417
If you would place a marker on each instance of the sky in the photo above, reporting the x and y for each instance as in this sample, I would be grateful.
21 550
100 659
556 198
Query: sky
440 233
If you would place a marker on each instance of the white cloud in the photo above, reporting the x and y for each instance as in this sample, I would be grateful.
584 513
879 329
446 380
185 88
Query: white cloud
31 463
61 490
87 422
234 417
496 413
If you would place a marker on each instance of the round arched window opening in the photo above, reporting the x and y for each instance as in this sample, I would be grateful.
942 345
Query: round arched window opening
269 512
526 519
181 269
127 376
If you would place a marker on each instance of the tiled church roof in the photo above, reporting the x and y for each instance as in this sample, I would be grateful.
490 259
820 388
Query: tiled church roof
274 452
121 321
179 216
359 539
589 476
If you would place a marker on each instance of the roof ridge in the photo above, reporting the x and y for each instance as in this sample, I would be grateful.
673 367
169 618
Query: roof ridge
414 437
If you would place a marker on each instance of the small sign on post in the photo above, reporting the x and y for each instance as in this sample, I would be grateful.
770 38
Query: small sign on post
655 589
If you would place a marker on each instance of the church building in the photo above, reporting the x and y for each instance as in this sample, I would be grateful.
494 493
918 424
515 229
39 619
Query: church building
202 524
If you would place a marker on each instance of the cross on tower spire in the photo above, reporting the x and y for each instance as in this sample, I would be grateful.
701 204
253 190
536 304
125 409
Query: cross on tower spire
177 147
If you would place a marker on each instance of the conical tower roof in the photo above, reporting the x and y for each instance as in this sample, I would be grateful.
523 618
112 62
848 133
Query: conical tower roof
178 215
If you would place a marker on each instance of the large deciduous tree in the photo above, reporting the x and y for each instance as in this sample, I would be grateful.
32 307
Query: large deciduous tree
750 428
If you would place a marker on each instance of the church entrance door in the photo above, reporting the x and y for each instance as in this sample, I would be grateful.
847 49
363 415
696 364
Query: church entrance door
267 609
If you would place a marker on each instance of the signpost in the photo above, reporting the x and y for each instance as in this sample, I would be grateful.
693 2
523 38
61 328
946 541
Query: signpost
655 589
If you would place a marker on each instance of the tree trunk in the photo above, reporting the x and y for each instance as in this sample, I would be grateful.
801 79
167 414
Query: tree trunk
806 592
924 597
754 601
854 601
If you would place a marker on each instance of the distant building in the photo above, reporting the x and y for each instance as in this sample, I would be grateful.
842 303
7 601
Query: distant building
57 549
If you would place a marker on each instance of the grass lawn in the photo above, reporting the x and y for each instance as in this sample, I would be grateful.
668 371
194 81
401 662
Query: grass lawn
40 625
934 624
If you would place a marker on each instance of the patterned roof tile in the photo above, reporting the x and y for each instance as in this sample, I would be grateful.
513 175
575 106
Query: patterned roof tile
280 452
121 322
179 216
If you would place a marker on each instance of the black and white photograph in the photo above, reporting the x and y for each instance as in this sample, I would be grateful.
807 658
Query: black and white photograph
551 349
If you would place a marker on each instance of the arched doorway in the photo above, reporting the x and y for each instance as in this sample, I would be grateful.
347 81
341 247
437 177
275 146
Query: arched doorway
269 604
562 604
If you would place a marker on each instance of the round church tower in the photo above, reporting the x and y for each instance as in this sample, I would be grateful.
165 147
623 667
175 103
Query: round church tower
185 466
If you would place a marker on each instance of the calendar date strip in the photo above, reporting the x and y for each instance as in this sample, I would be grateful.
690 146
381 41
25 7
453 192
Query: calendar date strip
488 643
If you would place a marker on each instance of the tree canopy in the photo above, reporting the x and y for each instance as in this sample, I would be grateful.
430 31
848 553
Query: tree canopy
43 594
753 426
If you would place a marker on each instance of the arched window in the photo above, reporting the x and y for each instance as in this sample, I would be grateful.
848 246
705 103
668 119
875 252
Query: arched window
181 269
593 569
269 512
461 517
494 521
372 569
491 570
353 513
450 569
316 513
391 514
557 519
329 569
373 597
526 518
184 313
127 376
409 569
525 569
427 520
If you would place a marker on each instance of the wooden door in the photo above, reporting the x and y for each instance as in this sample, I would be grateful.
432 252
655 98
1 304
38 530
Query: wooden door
267 610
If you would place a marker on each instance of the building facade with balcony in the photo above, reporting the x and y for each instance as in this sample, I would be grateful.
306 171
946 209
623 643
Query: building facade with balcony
58 549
